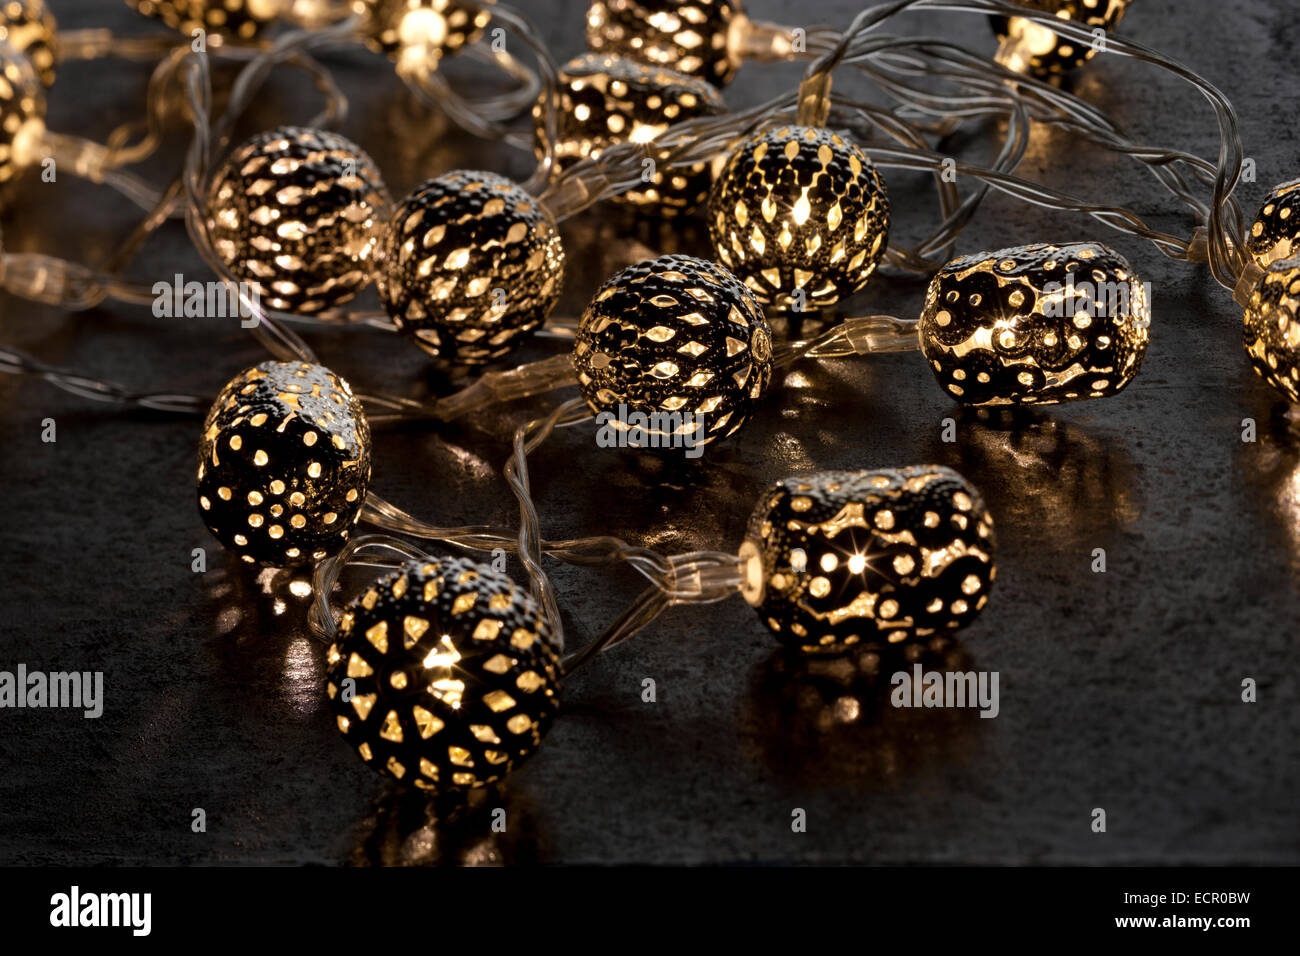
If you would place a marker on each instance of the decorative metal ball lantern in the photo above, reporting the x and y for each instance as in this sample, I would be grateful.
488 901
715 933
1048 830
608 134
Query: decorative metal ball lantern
675 338
471 263
1035 325
22 113
298 213
607 99
1272 328
284 464
30 28
1275 233
689 36
416 34
801 216
444 675
239 19
854 557
1028 47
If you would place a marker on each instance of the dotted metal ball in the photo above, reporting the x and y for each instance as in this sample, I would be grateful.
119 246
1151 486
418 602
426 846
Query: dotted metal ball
444 675
299 213
471 263
849 557
239 19
801 216
1036 325
607 99
689 36
675 338
418 33
22 113
29 27
284 464
1272 328
1037 50
1275 233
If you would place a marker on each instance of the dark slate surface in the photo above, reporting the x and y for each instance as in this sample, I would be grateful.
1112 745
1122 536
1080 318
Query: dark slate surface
1119 690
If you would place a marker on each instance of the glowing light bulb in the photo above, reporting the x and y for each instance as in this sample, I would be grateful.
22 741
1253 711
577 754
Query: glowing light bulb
471 264
1271 332
679 340
688 36
284 464
298 213
418 33
453 676
800 216
845 558
1036 325
1028 47
607 99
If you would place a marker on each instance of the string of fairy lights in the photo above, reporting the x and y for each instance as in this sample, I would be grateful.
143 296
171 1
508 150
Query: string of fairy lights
445 673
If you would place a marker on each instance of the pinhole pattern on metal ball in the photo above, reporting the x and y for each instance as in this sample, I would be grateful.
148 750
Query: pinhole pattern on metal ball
607 99
675 338
444 675
471 264
801 216
22 112
689 36
845 558
29 27
1275 233
1271 332
284 464
419 33
299 214
1035 325
241 19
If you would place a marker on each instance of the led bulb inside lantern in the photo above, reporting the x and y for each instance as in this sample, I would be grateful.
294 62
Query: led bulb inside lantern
1035 325
29 27
239 19
695 37
284 464
455 675
1272 328
471 263
800 216
1028 47
844 558
1275 233
299 214
679 340
416 34
22 113
607 99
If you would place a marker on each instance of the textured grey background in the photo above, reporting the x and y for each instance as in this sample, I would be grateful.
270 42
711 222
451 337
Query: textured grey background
1119 690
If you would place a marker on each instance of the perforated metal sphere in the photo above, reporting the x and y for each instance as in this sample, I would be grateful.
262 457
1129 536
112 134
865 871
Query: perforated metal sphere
444 675
284 463
1275 233
606 99
1039 51
29 27
22 113
299 213
848 557
240 19
1036 325
418 33
471 263
801 216
689 36
675 336
1272 328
